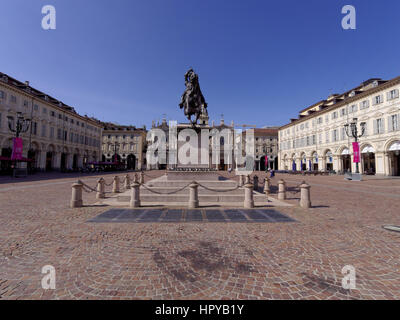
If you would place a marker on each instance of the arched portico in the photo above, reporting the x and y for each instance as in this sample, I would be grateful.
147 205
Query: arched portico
392 157
368 163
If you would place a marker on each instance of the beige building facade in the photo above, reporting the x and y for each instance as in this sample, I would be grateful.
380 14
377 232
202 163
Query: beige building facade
58 137
266 147
317 139
124 144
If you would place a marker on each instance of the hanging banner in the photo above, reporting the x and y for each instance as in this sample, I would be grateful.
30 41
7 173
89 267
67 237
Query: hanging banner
356 152
17 149
266 162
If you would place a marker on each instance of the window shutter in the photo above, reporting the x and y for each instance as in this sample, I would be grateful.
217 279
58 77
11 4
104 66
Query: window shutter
390 124
382 126
375 127
388 96
396 95
398 122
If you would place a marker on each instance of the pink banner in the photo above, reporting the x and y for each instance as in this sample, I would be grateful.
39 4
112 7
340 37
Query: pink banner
356 152
17 149
266 161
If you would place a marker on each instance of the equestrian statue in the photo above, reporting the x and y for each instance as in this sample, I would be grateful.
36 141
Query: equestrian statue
192 100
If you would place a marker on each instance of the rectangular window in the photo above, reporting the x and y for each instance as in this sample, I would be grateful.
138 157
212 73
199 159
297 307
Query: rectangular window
51 132
25 103
52 113
353 108
343 112
364 104
327 137
334 135
13 99
394 94
34 128
44 111
378 126
59 134
378 100
43 130
343 134
393 123
2 94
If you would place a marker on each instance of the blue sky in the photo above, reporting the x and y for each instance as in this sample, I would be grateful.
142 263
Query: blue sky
259 62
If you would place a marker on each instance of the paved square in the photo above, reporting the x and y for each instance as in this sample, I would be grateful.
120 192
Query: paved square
201 259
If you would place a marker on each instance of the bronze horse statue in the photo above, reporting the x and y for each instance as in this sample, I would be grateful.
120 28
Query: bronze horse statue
192 100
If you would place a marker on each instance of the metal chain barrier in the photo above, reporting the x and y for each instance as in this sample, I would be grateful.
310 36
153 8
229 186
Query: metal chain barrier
88 189
296 188
218 190
107 185
148 175
157 192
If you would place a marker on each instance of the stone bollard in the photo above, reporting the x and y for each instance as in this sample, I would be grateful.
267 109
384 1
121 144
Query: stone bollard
247 179
127 182
267 186
76 199
193 195
248 196
116 185
241 181
255 182
135 195
305 197
281 190
142 177
100 189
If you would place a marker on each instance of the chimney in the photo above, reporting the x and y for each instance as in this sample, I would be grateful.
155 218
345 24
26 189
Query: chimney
27 83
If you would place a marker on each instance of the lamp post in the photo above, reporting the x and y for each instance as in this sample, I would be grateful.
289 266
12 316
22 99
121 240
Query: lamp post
21 125
115 148
351 130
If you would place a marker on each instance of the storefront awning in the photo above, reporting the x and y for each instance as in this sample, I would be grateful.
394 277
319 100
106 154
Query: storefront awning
368 149
395 146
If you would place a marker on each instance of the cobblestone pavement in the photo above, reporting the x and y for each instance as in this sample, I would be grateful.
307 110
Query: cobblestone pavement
298 260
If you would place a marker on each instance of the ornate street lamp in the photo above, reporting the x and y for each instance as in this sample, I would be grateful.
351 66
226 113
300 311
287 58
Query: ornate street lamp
352 132
18 127
21 126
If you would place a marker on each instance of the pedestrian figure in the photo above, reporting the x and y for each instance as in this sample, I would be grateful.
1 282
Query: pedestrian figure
272 173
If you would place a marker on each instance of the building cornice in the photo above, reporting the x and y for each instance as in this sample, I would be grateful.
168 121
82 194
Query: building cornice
340 104
32 96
